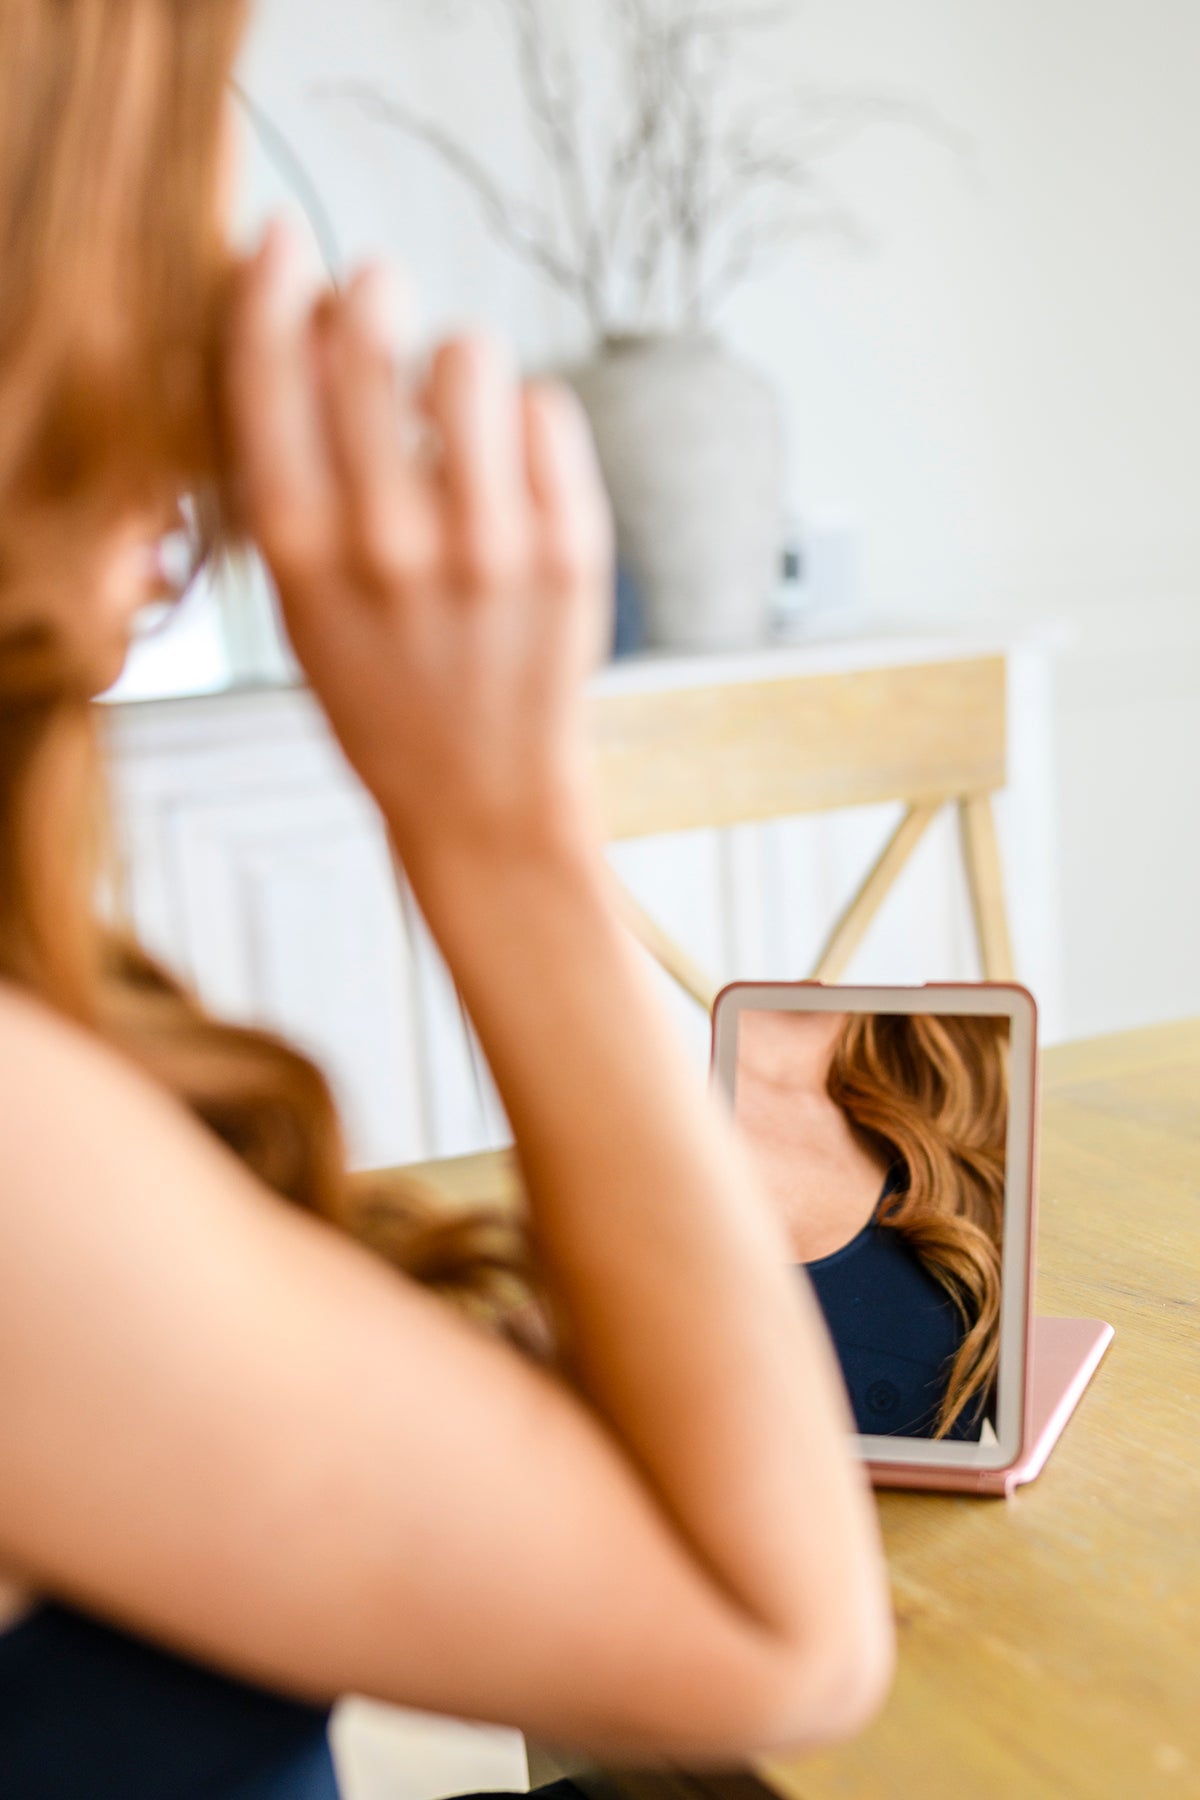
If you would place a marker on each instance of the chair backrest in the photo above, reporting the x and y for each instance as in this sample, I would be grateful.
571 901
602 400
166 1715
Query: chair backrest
927 735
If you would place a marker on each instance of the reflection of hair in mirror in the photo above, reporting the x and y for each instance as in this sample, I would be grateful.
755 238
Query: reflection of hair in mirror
931 1093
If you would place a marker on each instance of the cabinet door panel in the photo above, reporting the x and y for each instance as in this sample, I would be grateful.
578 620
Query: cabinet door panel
257 869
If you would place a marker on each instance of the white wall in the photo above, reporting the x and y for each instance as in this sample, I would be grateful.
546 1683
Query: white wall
1004 395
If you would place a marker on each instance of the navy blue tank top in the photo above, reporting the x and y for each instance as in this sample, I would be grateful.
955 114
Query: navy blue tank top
896 1332
87 1713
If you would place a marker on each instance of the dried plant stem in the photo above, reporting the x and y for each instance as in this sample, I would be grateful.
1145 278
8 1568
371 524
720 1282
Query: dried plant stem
529 234
689 196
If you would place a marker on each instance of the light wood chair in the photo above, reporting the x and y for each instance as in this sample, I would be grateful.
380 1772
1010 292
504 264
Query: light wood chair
929 735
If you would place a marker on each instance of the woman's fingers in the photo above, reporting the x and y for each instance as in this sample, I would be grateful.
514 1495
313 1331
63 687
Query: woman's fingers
333 488
389 506
284 470
475 406
570 504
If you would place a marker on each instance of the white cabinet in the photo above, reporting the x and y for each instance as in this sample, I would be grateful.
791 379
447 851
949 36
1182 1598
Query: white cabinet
256 866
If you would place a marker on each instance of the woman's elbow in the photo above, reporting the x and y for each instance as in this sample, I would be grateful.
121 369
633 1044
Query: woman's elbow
838 1693
801 1698
818 1693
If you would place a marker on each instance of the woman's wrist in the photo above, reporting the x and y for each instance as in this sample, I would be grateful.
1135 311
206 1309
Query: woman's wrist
470 882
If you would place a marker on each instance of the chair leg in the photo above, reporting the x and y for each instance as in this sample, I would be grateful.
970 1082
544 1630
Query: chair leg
686 973
854 923
985 880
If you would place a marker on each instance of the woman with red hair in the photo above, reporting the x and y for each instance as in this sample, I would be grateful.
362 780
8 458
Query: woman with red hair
252 1454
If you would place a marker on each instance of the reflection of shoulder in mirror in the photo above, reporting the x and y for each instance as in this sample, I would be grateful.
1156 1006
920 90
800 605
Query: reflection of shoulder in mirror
788 1049
822 1176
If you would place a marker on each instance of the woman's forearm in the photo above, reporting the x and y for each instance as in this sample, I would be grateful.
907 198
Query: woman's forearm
670 1269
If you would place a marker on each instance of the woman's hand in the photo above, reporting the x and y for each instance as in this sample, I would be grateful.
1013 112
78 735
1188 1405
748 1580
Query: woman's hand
443 561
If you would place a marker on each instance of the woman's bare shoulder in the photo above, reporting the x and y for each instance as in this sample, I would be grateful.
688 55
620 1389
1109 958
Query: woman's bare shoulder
51 1067
62 1084
23 1013
82 1125
35 1039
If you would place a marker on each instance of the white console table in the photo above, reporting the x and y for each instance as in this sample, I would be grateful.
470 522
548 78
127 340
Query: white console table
257 867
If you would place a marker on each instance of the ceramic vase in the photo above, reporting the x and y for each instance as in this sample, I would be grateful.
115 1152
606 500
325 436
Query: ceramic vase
691 444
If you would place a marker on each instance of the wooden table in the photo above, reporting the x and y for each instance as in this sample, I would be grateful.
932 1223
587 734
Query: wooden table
1050 1643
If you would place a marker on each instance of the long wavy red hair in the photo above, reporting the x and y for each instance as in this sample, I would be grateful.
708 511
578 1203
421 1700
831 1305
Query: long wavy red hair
114 272
929 1094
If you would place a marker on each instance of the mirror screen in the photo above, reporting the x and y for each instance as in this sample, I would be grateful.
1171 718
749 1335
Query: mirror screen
881 1138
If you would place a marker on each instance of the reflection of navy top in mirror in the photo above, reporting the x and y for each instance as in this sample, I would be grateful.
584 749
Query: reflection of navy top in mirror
896 1331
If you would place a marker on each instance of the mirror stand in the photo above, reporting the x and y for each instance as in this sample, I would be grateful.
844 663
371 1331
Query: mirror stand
1065 1355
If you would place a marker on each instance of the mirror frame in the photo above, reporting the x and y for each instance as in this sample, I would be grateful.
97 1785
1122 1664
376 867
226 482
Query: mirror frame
934 1463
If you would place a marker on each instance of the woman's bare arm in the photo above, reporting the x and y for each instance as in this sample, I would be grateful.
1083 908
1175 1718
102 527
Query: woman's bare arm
235 1430
232 1429
692 1335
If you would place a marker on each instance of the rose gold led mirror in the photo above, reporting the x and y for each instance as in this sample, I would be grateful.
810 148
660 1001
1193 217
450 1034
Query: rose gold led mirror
895 1130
